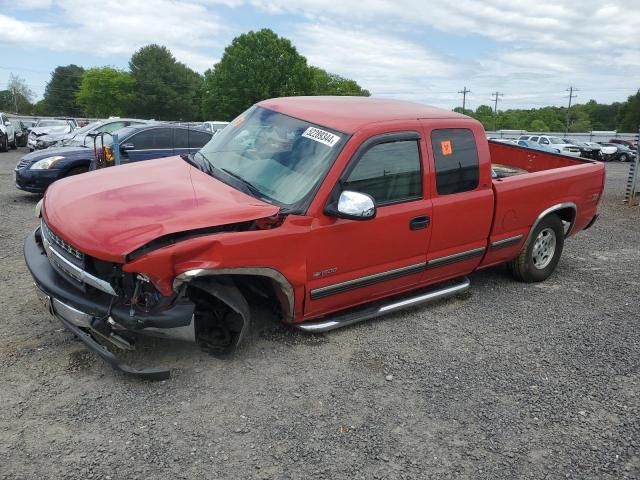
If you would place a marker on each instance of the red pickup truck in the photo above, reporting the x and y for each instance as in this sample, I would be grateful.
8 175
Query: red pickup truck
330 209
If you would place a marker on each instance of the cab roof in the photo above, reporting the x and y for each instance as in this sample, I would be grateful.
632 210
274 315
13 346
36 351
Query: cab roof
349 114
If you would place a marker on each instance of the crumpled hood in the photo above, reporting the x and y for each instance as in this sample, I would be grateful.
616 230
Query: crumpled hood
62 129
109 213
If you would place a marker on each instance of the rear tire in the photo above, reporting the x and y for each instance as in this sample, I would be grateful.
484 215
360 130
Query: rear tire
541 254
4 143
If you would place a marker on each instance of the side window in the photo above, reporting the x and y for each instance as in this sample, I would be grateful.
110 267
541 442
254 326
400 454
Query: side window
456 160
544 141
534 139
156 138
389 172
187 138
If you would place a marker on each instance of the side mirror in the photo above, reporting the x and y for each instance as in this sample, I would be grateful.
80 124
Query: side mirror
127 146
352 206
7 123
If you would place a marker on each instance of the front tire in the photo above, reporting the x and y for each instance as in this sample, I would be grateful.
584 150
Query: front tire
541 255
77 171
4 141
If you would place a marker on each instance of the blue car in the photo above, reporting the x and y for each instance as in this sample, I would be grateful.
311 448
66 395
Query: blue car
36 171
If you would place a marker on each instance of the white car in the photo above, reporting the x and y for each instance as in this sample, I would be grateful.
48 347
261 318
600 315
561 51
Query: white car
49 127
83 136
7 133
556 142
214 126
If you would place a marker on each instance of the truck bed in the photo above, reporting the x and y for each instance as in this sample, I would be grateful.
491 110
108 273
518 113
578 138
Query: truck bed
541 180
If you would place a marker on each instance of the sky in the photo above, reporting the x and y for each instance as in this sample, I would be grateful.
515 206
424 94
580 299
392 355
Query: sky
422 50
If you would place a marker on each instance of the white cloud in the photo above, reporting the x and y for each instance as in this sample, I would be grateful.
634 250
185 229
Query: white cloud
534 48
119 28
381 63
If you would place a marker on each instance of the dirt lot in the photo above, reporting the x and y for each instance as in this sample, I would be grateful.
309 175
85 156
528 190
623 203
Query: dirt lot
512 381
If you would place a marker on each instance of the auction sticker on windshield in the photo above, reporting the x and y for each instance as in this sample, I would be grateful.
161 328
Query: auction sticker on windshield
321 136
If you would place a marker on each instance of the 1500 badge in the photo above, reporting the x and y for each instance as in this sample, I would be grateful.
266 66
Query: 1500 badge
324 273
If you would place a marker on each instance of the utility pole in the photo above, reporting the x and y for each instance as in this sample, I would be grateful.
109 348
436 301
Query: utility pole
571 97
464 97
496 96
15 99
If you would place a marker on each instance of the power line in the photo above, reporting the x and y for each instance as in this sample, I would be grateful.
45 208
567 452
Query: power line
464 97
571 97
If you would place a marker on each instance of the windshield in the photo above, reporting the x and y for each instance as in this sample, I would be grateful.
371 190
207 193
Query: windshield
277 157
556 140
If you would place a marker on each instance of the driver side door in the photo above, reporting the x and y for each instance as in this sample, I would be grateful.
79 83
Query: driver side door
350 262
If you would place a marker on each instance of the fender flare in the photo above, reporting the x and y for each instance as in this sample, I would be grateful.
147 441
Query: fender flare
287 297
552 209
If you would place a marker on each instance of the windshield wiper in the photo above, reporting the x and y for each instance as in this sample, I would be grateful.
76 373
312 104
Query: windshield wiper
250 186
192 161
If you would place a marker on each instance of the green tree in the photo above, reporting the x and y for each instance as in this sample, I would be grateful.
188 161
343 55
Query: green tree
164 88
61 91
325 83
105 91
538 125
484 113
255 66
629 116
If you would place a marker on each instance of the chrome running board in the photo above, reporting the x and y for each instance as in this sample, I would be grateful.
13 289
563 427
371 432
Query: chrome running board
376 309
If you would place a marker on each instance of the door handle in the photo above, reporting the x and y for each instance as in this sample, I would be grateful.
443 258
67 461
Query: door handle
418 223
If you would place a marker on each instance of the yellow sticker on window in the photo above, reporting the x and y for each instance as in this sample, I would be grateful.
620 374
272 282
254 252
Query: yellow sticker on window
446 147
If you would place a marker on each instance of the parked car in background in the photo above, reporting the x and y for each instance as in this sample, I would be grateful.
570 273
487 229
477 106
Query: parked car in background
537 146
7 133
586 150
21 132
214 126
627 143
85 134
616 152
37 170
557 142
49 127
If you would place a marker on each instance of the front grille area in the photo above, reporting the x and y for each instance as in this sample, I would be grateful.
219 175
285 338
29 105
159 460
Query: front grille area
22 163
55 239
74 266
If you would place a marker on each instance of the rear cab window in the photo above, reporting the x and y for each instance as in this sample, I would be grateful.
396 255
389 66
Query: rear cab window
456 160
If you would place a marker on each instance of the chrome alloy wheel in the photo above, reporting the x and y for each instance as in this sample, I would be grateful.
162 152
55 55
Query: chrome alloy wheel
544 248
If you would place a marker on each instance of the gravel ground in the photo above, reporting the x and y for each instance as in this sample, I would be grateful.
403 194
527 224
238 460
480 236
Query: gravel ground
512 381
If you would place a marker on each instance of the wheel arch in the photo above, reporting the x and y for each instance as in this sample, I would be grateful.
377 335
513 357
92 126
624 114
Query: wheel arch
567 211
283 291
76 164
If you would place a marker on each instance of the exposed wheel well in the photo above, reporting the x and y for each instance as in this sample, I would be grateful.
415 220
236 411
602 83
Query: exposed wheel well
567 214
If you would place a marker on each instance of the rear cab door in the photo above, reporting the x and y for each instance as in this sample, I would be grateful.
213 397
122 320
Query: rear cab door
350 262
462 197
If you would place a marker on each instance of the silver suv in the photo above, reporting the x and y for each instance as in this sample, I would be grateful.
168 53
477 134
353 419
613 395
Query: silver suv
7 133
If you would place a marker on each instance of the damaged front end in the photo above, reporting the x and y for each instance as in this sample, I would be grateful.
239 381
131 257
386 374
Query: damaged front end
104 305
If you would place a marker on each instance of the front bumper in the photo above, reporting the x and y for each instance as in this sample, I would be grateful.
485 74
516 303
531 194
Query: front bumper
36 181
96 316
